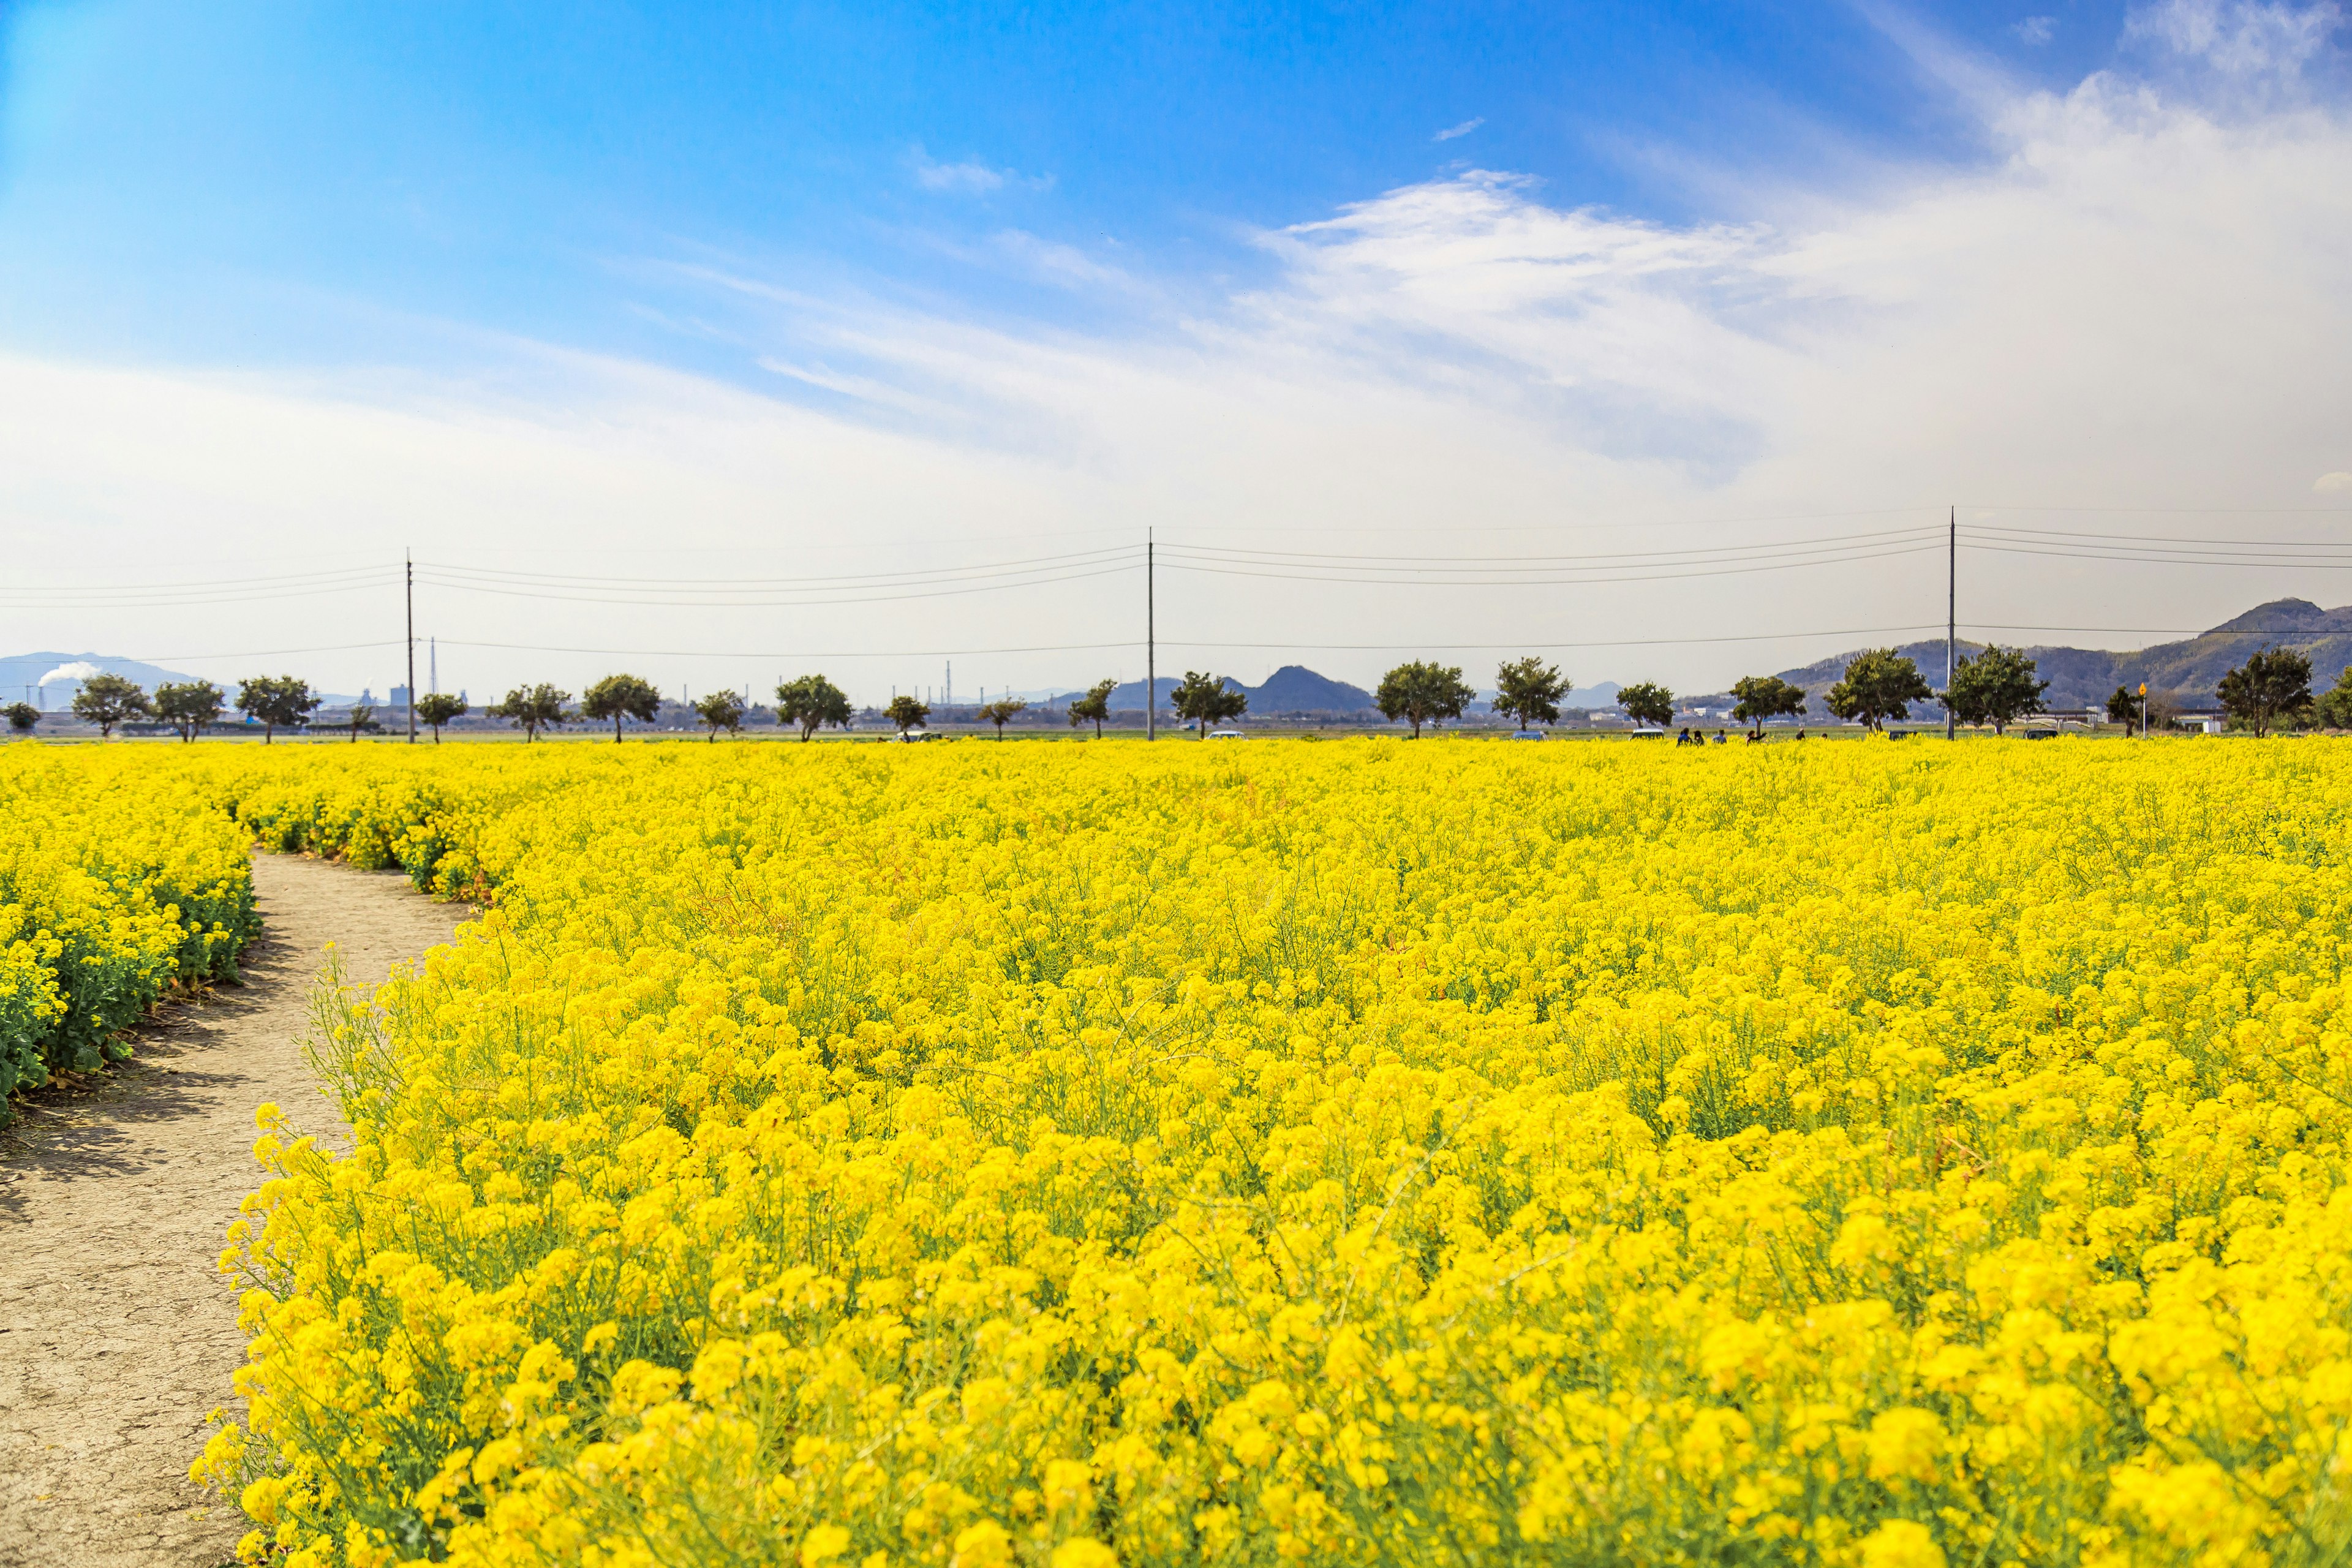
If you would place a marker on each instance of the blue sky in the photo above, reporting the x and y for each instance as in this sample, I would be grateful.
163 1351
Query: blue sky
959 277
287 181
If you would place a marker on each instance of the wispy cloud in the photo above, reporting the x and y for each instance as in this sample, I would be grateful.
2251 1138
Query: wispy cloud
1467 126
2035 30
2134 300
971 177
2239 38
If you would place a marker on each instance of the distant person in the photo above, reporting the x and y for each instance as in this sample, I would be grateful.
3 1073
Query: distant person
1801 734
1718 738
1754 736
1683 739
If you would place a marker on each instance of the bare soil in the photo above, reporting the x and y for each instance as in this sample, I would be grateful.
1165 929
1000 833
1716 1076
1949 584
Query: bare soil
117 1333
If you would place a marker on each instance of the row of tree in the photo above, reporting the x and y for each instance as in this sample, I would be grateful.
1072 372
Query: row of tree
1998 687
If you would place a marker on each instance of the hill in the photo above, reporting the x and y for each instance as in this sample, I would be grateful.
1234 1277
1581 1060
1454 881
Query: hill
2190 669
20 676
1292 689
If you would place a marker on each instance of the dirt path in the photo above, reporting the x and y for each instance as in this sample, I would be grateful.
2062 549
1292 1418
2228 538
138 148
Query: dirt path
117 1334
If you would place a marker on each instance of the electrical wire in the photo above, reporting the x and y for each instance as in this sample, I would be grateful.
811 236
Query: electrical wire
860 579
1525 579
780 604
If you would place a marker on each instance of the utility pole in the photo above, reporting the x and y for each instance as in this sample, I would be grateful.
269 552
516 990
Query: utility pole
408 570
1150 647
1952 614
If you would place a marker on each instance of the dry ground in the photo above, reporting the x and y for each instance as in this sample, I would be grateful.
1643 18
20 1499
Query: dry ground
117 1334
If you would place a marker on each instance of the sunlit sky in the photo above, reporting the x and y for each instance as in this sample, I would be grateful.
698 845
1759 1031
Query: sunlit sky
671 339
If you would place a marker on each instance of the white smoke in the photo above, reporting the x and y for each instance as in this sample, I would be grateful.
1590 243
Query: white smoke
80 670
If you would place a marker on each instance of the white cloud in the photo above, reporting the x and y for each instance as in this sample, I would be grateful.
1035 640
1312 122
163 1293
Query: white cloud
1451 131
2239 38
2035 30
2136 301
971 178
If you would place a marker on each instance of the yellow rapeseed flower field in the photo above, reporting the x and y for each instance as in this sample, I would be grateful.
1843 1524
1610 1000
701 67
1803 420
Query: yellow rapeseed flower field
1350 1151
115 887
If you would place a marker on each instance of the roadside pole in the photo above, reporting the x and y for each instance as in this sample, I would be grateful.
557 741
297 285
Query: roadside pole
408 571
1151 647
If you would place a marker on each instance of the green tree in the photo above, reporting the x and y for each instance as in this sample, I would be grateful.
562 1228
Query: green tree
1530 691
361 717
1095 706
720 710
1763 697
2335 708
107 701
1002 712
1995 688
1206 700
2123 707
1647 703
23 717
437 708
1879 685
619 696
1421 693
812 702
188 706
906 713
278 701
531 709
2272 685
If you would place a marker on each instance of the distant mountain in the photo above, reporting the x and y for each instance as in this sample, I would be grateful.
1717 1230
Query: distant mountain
1292 689
1605 695
1127 696
2082 677
1295 688
20 676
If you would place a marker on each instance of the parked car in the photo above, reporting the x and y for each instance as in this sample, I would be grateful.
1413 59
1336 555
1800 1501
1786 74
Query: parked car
1527 734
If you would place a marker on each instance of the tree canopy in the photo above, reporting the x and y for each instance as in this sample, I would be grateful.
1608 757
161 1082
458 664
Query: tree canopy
907 713
1647 703
2272 685
720 710
619 696
188 706
1206 700
437 708
531 709
2336 703
1002 712
1762 697
1420 693
278 701
1996 688
812 702
361 717
107 701
2123 707
1880 684
1094 706
21 717
1530 691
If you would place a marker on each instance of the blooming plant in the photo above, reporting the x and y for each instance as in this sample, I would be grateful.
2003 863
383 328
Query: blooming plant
1340 1152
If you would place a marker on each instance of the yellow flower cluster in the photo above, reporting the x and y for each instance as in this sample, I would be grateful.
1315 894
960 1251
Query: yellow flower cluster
115 886
1890 1155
